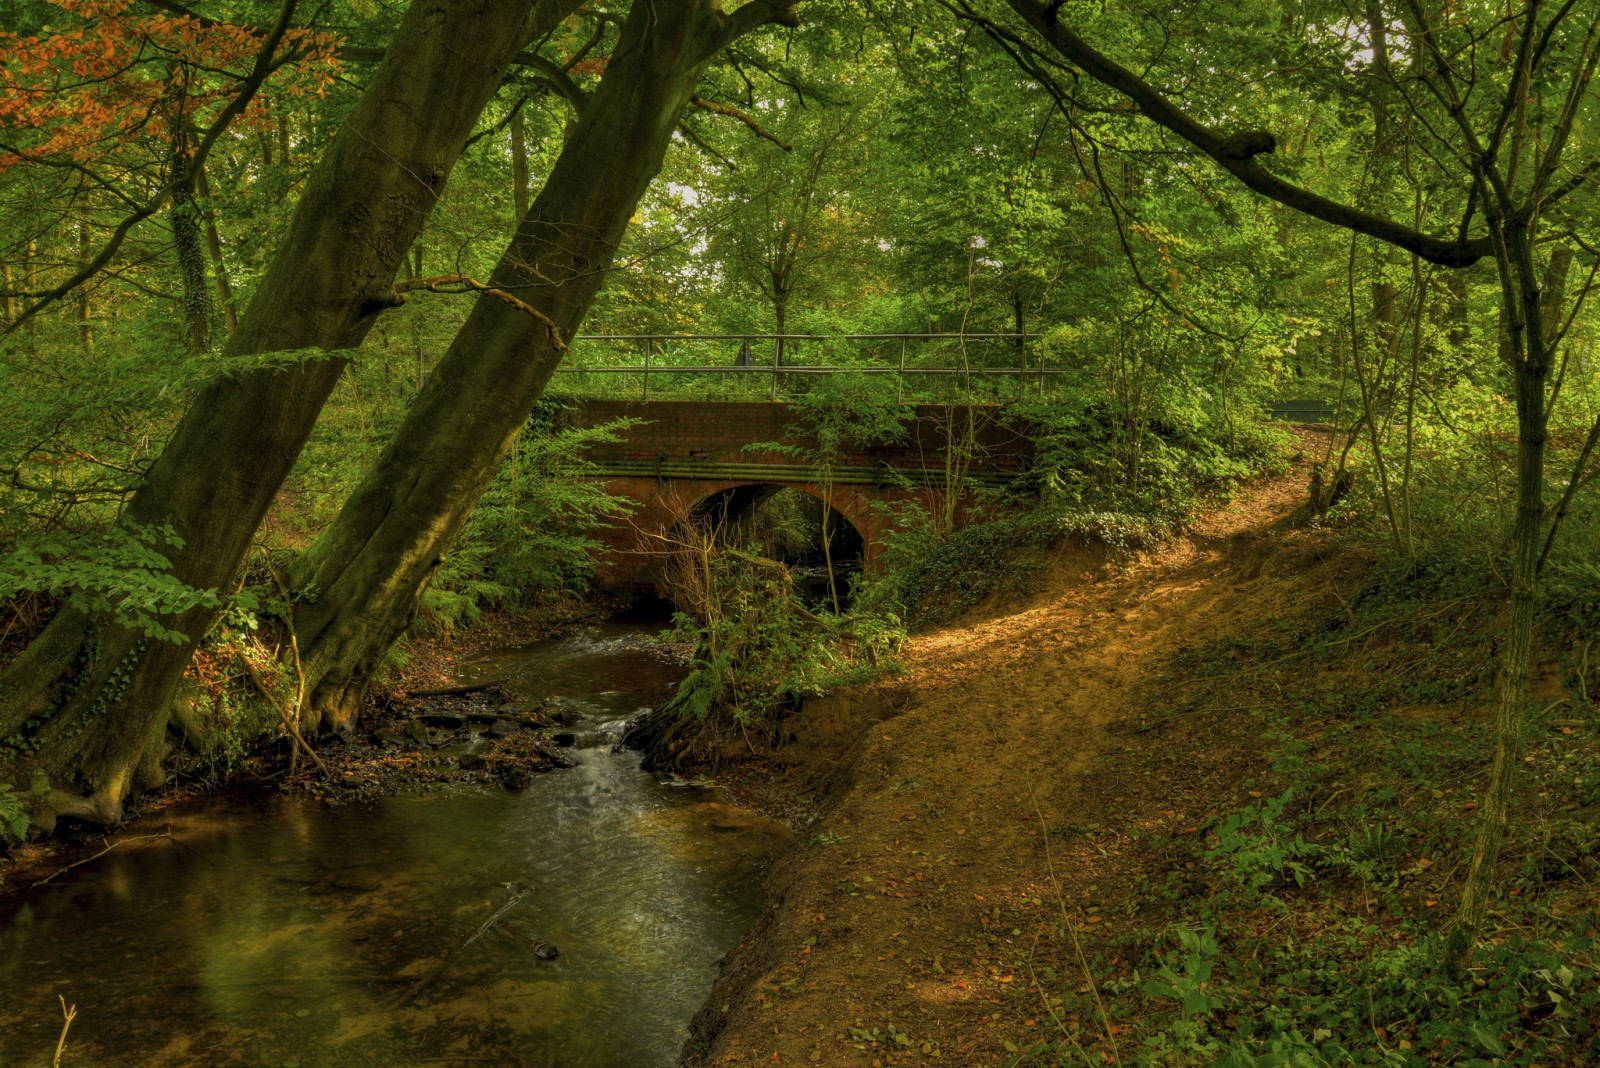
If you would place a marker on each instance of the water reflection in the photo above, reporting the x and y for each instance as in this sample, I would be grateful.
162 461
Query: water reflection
279 932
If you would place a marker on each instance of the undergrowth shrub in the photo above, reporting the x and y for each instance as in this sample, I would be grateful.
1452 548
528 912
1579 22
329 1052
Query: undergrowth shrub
527 538
14 820
118 570
1309 921
757 650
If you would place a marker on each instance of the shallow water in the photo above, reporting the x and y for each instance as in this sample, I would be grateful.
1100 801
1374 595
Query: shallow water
282 932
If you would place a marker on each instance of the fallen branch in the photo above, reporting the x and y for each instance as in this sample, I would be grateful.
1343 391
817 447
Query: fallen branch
517 894
90 860
283 713
432 285
452 691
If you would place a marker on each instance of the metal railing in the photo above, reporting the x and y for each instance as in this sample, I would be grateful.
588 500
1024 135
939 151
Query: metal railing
745 363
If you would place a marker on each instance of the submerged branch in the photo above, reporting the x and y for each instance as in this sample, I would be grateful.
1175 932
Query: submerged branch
517 894
91 860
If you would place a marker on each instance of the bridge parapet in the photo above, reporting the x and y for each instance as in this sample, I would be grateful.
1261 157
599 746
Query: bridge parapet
718 435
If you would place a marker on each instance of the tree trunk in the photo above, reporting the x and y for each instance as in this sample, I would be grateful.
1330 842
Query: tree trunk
1533 315
91 696
1455 314
519 166
369 568
219 269
185 214
81 298
29 253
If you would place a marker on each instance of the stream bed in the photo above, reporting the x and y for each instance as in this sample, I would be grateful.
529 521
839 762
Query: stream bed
278 931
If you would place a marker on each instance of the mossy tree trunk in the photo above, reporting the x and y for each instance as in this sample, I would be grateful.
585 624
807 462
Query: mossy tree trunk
89 696
367 571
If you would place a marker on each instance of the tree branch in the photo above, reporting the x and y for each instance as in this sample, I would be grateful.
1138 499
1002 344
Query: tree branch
695 140
1236 154
752 16
560 81
434 285
745 117
1571 491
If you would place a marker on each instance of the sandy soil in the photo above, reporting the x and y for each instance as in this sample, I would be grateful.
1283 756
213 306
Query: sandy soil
980 815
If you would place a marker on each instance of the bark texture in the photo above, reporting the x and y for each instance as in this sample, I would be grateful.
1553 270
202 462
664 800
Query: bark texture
90 696
366 573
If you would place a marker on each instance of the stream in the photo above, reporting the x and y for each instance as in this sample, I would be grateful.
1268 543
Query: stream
277 931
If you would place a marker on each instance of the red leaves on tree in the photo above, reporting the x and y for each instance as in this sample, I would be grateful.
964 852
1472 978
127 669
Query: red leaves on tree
82 92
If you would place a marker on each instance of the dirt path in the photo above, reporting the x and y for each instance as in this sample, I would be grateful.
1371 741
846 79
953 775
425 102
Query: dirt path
969 836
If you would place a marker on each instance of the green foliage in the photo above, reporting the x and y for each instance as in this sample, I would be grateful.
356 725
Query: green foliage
840 412
1256 850
231 723
1353 853
13 818
1079 487
1094 462
528 537
757 650
1184 978
120 571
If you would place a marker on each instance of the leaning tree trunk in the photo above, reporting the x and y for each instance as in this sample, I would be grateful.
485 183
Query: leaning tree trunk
369 568
89 696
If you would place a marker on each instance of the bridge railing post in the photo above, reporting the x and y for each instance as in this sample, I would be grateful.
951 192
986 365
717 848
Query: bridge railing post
649 346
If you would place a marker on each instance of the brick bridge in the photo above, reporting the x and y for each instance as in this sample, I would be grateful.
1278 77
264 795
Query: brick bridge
688 453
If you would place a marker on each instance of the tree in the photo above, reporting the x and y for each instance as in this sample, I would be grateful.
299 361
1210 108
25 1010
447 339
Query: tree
790 213
1507 153
127 107
89 695
361 580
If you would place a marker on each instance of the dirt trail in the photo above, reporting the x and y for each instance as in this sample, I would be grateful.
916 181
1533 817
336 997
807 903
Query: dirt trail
963 829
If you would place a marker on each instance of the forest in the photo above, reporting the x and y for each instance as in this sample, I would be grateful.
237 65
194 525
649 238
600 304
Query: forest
847 532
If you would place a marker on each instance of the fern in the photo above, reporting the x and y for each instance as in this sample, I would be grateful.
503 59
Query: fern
13 819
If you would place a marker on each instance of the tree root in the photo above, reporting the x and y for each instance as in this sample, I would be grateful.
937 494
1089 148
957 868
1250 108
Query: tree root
54 804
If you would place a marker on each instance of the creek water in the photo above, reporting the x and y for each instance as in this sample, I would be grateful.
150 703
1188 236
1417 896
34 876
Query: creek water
279 931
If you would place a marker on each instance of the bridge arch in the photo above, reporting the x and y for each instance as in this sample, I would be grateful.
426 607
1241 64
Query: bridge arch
634 546
739 502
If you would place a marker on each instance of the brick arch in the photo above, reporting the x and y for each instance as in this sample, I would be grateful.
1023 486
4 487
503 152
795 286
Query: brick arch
626 558
852 505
